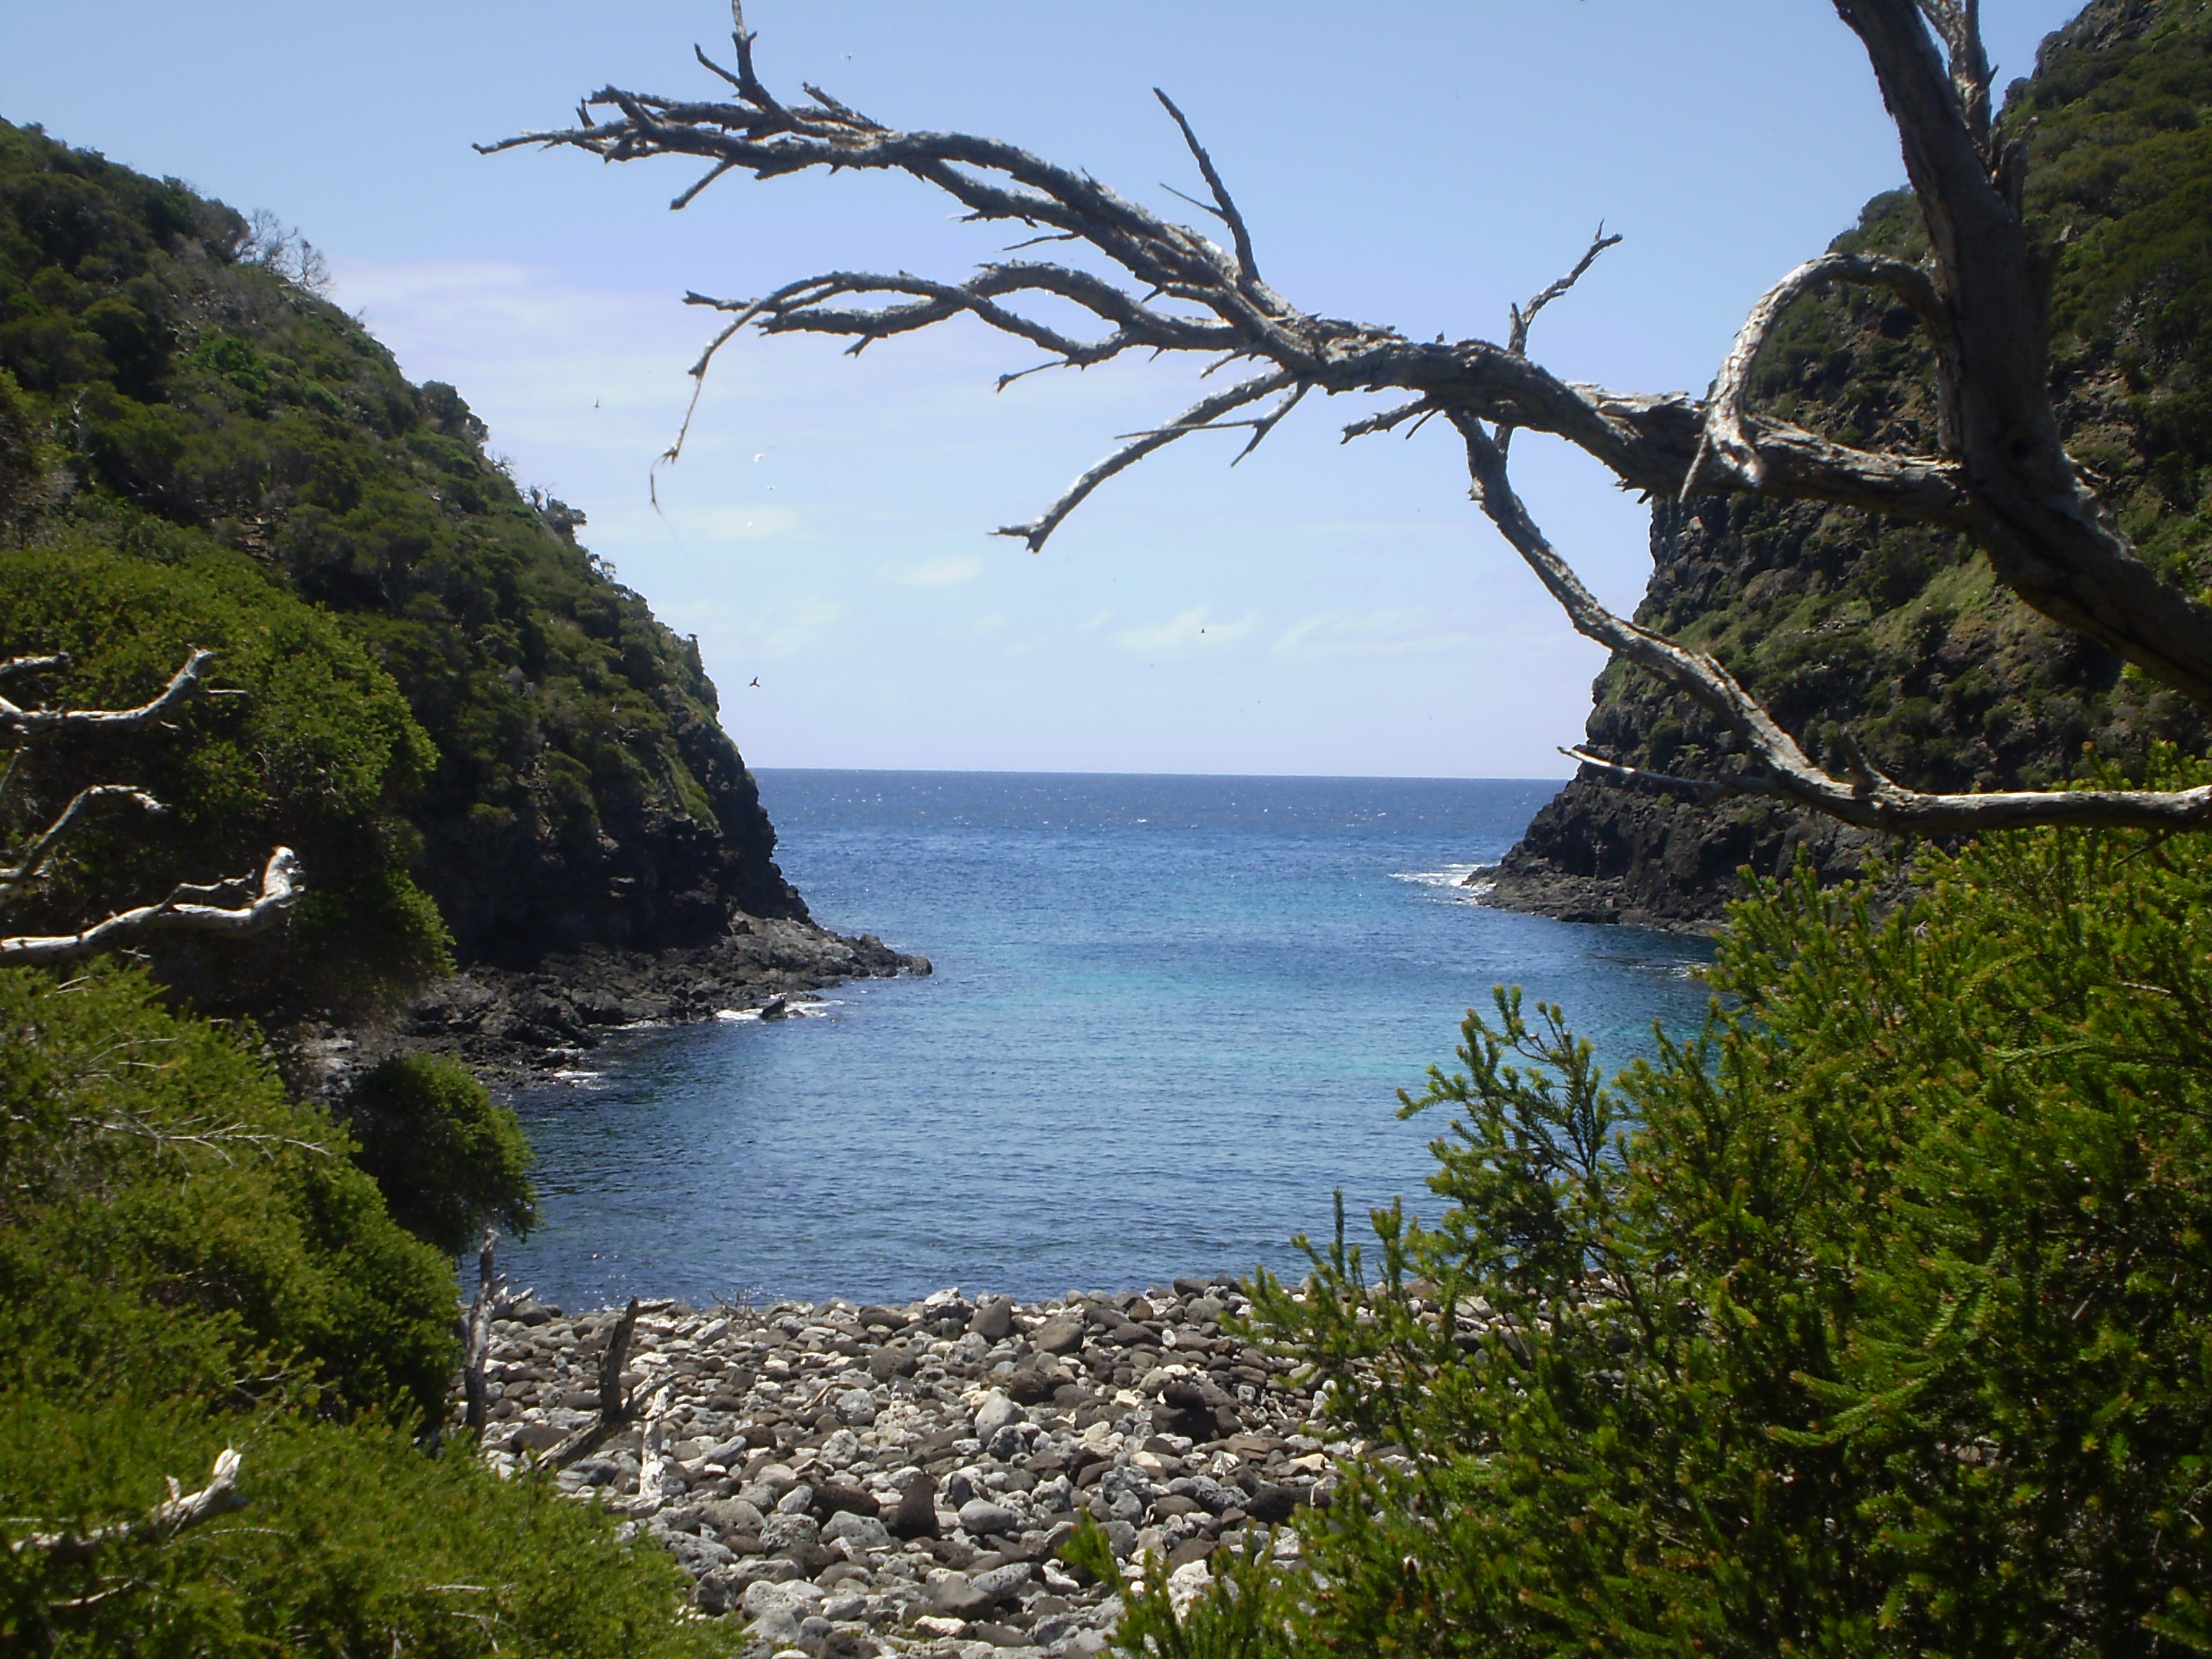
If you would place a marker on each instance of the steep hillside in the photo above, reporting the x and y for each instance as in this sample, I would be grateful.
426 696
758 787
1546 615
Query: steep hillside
185 425
1900 633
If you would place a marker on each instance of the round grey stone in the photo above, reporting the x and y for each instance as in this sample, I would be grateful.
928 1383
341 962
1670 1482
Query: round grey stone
980 1517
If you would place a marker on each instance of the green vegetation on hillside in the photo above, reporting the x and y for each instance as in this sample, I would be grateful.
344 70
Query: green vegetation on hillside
170 399
317 749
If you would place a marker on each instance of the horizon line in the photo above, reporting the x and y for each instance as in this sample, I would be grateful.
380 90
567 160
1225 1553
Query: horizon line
1285 777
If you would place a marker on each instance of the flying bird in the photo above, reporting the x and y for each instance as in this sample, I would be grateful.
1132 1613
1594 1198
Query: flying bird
756 682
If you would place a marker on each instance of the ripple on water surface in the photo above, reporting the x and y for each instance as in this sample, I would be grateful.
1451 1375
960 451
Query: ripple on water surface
1170 1015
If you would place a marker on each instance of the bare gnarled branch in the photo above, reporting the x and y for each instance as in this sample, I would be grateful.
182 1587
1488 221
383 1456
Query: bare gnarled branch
2001 476
239 905
182 911
1522 316
30 864
1782 770
1201 416
1726 446
180 1509
38 721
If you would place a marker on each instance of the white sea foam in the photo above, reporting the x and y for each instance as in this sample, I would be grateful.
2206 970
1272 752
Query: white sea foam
813 1010
1450 882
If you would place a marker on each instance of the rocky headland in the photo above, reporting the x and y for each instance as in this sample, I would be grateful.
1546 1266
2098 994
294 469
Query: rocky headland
850 1480
1897 634
512 1026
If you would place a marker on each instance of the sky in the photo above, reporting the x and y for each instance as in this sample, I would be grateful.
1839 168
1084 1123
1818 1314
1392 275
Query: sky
1321 608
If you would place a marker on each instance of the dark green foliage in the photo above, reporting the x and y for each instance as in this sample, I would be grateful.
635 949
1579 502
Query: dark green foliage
353 1542
1876 1319
445 1156
318 752
25 458
1247 1611
189 1260
198 403
150 1167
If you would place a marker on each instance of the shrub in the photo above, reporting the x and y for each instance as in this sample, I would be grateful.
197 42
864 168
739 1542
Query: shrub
152 1168
320 753
351 1542
189 1260
1875 1319
447 1158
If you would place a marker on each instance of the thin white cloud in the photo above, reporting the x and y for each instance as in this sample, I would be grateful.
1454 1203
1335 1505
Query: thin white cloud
771 632
934 573
1184 634
731 522
1366 633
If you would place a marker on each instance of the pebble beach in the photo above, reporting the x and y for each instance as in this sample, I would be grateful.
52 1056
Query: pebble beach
853 1480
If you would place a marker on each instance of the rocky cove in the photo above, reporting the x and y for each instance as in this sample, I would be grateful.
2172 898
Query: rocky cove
847 1481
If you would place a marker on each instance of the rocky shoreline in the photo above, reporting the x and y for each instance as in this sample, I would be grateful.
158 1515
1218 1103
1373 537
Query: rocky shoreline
515 1026
1599 852
851 1481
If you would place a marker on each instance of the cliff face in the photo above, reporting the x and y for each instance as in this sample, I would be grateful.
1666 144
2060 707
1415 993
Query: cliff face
177 396
1896 633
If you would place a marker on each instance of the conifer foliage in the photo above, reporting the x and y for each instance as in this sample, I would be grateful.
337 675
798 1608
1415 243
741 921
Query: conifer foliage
1873 1319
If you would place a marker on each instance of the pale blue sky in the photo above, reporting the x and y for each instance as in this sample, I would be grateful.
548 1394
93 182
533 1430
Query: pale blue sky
1319 609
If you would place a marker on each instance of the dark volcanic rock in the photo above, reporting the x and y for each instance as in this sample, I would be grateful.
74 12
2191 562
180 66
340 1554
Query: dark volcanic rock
507 1023
1596 852
915 1516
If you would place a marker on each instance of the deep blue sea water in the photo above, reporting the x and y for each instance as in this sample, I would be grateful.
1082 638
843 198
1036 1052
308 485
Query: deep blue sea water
1169 1016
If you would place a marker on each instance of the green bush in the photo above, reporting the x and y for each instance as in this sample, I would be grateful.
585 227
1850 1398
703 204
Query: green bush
445 1156
301 738
151 1167
1877 1319
351 1542
188 1261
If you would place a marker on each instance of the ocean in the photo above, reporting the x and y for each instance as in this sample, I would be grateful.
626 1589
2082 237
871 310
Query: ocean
1169 1019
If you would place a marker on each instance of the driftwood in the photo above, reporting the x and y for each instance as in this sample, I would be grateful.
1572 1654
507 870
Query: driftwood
615 1410
652 1451
1996 471
243 904
175 1513
476 1335
492 1300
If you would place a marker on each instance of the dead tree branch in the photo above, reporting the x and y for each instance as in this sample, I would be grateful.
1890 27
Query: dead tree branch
1727 452
615 1410
239 905
1782 771
35 722
174 1514
31 863
182 911
1999 476
476 1335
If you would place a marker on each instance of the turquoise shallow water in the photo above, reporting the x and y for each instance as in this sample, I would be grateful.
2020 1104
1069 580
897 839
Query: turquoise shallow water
1170 1015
